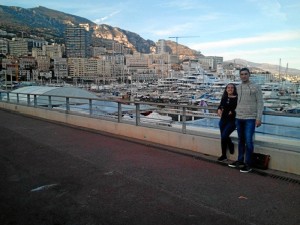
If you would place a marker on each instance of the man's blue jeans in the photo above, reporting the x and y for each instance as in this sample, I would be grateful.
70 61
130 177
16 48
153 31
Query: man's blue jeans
245 129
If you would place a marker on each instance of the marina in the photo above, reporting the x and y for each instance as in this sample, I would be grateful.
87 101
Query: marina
196 88
188 109
192 86
186 98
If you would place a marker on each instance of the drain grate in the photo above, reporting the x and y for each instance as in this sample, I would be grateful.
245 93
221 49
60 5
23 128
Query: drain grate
278 177
287 179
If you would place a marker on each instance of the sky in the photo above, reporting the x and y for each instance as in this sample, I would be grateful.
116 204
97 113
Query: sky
261 31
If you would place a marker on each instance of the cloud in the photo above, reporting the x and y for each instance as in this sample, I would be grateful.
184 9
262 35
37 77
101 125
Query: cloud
266 51
100 20
270 8
268 37
294 5
183 4
178 29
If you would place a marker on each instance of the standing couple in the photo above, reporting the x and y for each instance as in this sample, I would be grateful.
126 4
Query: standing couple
241 107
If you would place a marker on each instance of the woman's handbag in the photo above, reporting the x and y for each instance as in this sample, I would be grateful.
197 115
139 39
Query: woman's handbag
260 161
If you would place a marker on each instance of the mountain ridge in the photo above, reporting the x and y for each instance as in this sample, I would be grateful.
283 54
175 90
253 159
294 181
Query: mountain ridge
50 24
263 66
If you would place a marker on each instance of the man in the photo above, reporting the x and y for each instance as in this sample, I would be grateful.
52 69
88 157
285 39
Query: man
248 116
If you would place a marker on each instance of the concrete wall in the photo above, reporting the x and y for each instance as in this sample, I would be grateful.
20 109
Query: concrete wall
281 159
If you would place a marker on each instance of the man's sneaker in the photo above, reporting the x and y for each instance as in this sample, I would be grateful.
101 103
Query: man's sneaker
245 169
222 158
236 164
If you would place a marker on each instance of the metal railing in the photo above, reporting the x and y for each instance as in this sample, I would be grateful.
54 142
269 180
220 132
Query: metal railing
179 118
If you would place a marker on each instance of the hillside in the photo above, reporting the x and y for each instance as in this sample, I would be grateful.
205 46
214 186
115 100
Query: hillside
129 39
38 21
50 24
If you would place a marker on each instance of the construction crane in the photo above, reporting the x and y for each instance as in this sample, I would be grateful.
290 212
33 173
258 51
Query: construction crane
177 37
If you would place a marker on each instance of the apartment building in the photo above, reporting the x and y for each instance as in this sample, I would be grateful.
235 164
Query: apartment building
35 43
117 62
76 67
35 52
26 65
137 60
210 62
162 63
3 46
60 67
11 67
90 68
98 51
43 63
18 47
53 50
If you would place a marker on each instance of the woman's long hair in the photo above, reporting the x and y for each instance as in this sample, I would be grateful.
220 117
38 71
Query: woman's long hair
225 94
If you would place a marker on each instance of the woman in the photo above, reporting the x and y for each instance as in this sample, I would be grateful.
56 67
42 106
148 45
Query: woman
226 111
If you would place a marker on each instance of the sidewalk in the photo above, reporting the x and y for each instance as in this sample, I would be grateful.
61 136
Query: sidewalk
54 174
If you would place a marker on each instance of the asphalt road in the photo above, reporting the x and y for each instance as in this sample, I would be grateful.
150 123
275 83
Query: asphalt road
53 174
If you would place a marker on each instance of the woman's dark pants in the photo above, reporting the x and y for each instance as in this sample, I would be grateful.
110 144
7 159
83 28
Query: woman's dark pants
226 128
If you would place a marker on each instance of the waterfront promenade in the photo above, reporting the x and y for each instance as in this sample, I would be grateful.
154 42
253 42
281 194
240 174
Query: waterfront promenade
55 174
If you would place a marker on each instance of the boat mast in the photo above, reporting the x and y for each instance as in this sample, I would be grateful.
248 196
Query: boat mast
279 70
286 70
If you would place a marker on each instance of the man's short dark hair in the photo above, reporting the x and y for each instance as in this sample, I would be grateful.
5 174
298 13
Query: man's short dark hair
245 69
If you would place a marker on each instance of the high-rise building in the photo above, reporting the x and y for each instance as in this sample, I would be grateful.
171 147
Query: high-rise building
77 41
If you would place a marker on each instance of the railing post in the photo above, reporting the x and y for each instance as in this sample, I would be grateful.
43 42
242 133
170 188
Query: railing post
119 112
137 113
91 106
18 98
28 99
67 104
49 102
184 119
35 100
